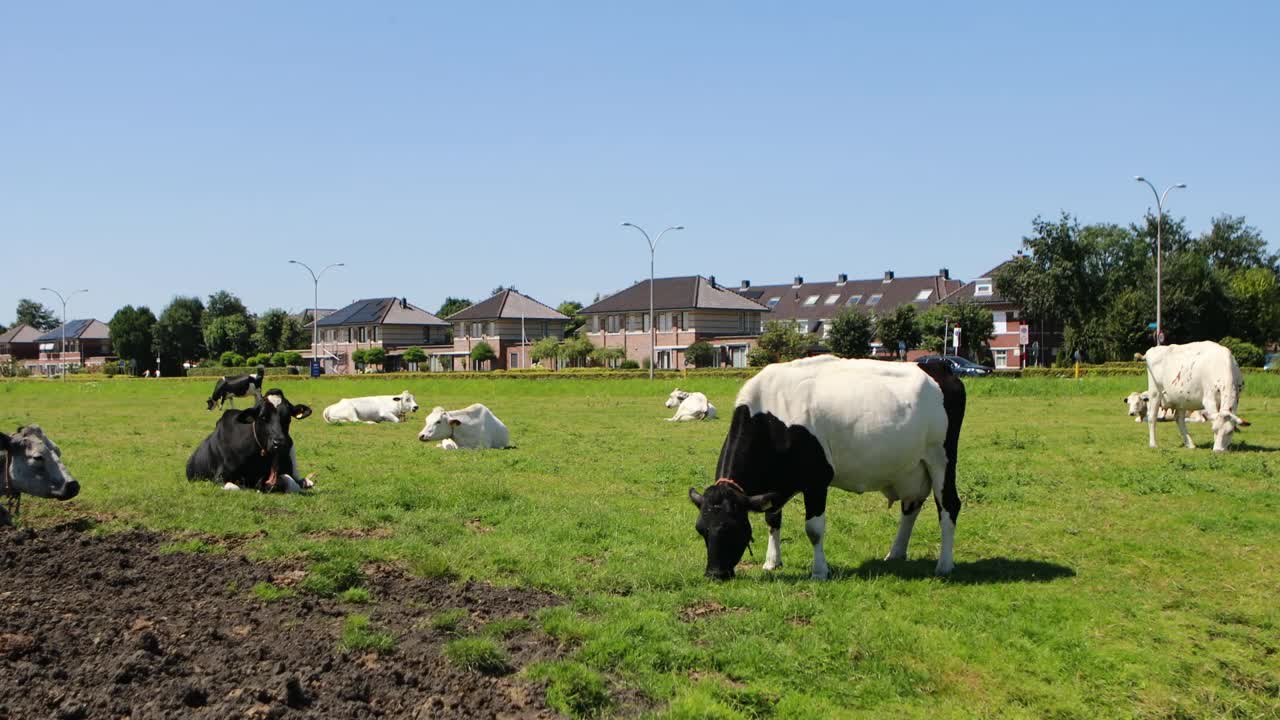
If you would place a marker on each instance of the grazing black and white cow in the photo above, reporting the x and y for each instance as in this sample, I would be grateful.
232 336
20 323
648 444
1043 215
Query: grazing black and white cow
236 386
32 465
803 427
251 448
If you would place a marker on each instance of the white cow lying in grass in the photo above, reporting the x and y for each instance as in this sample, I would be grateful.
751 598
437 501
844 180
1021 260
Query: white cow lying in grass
1137 403
474 426
372 409
690 406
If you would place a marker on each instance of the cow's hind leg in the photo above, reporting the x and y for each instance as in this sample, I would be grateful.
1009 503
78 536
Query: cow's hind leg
942 473
1180 417
773 556
910 511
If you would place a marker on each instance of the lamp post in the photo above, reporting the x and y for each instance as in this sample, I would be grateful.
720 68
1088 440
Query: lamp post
62 356
315 308
1159 253
653 321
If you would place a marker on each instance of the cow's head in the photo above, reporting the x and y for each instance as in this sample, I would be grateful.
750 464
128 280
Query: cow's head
1225 423
439 425
676 397
1137 403
405 403
724 524
271 418
35 465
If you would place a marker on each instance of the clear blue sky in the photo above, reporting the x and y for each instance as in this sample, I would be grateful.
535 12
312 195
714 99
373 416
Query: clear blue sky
152 149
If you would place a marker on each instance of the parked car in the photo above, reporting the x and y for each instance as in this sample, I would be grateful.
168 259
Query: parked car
960 366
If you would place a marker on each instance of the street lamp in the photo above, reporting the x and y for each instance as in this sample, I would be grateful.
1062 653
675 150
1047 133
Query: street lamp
315 309
1159 222
653 321
62 356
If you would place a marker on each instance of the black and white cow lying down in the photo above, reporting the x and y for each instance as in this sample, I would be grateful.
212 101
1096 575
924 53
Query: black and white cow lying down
251 448
31 464
236 386
803 427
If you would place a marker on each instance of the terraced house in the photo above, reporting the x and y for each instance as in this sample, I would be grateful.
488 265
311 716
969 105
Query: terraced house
508 322
87 344
393 324
688 309
812 305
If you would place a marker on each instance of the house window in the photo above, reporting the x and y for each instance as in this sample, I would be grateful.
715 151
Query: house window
612 323
477 329
874 299
999 325
664 359
492 329
923 295
1001 357
426 334
982 289
774 301
351 333
738 356
811 300
595 323
664 322
742 322
515 360
832 299
802 325
375 333
853 300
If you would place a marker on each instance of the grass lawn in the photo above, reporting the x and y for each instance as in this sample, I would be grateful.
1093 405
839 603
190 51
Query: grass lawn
1095 577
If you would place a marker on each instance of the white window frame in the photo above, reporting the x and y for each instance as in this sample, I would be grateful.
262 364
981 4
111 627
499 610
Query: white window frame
802 325
923 295
832 299
1001 356
874 299
774 300
853 300
811 300
999 322
984 289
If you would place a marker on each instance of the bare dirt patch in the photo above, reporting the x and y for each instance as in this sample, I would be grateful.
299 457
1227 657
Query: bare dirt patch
108 626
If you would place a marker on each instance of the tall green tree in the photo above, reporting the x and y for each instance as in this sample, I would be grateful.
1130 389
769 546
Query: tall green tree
268 336
901 325
1230 244
977 327
571 308
177 336
294 334
851 334
452 305
1254 295
38 316
228 325
132 336
782 342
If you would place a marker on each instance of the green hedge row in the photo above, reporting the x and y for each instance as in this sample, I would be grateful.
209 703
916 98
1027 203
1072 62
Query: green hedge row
220 371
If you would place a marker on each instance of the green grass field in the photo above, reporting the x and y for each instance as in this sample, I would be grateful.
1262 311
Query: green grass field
1095 577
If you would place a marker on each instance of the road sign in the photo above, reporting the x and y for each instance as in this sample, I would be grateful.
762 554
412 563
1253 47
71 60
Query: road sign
1151 326
1160 338
315 367
956 341
1024 335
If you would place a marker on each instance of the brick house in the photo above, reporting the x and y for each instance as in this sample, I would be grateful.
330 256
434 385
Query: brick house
510 322
812 305
19 343
393 324
688 309
1045 339
88 343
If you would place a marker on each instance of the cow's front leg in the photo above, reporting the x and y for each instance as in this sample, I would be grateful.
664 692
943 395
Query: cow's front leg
1180 417
773 556
910 511
815 526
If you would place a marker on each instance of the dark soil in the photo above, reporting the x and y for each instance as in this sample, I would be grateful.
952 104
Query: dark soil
108 627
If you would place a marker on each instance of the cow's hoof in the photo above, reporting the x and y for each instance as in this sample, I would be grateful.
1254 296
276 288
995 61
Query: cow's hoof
771 566
230 486
944 569
822 574
895 556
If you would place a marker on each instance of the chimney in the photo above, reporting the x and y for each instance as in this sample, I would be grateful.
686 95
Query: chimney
944 273
711 279
404 303
888 276
745 284
799 281
842 278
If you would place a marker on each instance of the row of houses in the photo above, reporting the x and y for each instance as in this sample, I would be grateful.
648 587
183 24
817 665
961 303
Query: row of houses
686 310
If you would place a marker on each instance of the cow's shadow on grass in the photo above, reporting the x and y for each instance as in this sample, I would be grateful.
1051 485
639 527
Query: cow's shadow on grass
979 572
1248 448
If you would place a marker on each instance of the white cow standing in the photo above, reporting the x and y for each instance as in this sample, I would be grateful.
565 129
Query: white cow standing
1196 376
372 409
690 406
474 426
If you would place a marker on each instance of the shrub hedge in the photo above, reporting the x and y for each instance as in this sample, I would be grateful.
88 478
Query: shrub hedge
243 370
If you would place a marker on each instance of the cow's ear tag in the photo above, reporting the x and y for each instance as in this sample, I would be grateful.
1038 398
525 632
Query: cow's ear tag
301 412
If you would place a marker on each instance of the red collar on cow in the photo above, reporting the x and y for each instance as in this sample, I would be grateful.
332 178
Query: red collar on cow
253 427
732 483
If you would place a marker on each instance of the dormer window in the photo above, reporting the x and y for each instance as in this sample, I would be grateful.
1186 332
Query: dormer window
982 289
